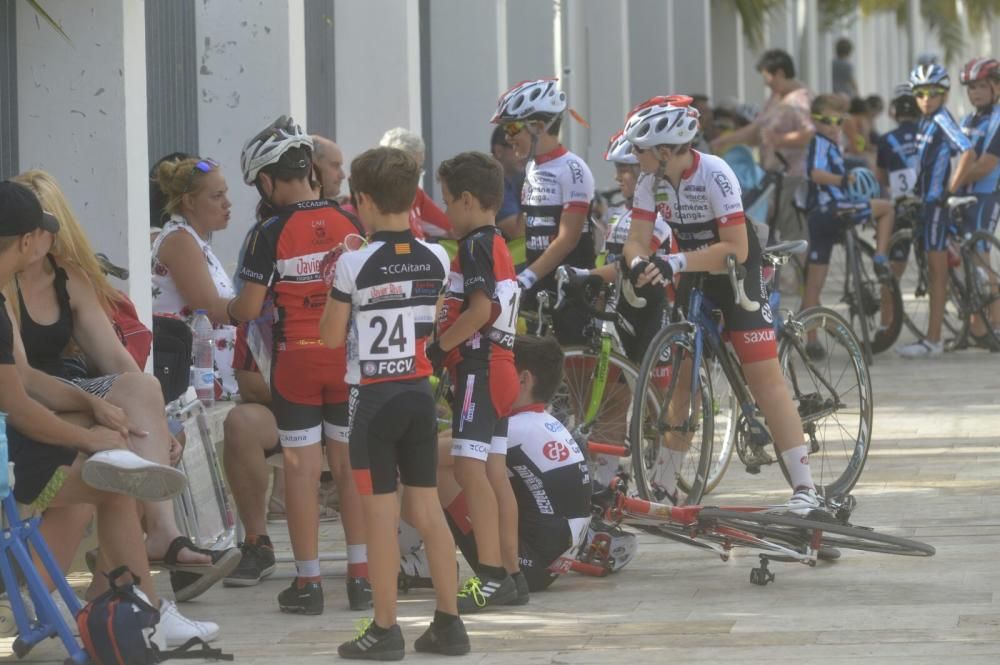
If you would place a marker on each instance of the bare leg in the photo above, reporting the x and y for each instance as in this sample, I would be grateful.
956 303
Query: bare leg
250 431
429 521
303 467
771 394
351 511
63 529
483 508
496 471
815 279
937 266
382 514
884 213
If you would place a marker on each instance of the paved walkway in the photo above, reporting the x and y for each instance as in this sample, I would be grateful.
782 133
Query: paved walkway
933 473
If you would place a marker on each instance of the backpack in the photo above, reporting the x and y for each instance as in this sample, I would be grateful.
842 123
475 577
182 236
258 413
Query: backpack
133 334
119 628
172 341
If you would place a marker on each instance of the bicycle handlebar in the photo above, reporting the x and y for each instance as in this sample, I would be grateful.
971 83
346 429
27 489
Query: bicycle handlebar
563 278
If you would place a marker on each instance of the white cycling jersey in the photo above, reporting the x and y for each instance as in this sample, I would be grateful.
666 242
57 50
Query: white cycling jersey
619 220
707 199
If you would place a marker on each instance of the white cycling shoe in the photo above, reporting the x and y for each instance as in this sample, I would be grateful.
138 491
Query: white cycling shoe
803 502
123 472
923 348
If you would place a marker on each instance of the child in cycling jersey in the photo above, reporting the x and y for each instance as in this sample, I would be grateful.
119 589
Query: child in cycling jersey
896 164
475 341
382 306
830 188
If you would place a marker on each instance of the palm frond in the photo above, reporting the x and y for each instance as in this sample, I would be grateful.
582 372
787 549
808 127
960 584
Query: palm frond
754 14
832 12
942 18
980 13
48 19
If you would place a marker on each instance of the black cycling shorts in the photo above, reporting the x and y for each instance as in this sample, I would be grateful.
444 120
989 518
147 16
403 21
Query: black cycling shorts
640 325
393 435
479 410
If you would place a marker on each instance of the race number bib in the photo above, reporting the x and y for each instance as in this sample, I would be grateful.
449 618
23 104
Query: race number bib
901 182
386 343
505 326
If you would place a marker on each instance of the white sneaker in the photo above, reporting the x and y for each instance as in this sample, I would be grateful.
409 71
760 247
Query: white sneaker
123 472
178 629
921 349
803 501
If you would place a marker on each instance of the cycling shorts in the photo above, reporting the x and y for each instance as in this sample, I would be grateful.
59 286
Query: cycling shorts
393 436
482 402
936 223
309 396
751 333
826 229
984 215
640 325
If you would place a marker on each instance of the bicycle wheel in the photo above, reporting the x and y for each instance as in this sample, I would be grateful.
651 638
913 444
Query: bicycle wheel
665 372
725 414
981 258
914 282
610 423
882 301
833 395
799 531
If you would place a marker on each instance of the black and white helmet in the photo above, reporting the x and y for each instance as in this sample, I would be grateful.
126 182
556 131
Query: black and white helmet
661 124
901 91
270 144
537 100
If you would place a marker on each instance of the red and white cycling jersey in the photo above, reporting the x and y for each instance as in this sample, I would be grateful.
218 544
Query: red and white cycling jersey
620 221
707 199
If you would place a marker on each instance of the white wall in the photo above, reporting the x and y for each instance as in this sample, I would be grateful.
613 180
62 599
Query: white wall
82 117
251 69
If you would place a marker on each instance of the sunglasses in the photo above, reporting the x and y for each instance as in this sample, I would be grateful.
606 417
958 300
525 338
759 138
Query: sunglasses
927 93
512 129
203 165
837 121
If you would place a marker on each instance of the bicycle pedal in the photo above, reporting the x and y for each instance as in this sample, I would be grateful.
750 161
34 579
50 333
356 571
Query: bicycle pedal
753 469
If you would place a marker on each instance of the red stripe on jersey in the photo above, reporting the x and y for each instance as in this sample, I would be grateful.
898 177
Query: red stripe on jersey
643 215
734 219
577 206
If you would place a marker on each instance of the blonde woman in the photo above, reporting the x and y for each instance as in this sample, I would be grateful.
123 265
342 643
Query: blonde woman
62 297
187 276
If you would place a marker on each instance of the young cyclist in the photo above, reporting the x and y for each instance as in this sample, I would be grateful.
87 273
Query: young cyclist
699 196
555 198
475 339
830 186
382 304
939 138
309 396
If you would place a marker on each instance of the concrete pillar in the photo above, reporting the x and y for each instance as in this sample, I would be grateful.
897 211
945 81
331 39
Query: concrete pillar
251 60
82 117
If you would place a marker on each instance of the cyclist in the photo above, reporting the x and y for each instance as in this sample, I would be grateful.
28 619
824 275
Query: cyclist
831 186
896 163
555 199
699 196
475 342
939 138
382 304
308 392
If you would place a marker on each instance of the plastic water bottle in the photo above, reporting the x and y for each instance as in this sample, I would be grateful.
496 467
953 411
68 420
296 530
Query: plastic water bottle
203 358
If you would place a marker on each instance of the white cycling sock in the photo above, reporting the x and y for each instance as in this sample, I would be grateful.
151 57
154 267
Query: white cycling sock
409 538
357 554
307 568
668 464
797 462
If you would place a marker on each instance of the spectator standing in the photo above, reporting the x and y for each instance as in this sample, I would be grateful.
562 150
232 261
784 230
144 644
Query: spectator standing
328 167
842 68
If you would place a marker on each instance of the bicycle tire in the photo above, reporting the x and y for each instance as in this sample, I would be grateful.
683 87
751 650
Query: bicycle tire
883 339
572 398
797 531
726 415
982 279
855 297
646 441
915 309
836 466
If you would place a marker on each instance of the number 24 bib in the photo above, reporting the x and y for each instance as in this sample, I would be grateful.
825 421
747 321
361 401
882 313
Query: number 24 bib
386 343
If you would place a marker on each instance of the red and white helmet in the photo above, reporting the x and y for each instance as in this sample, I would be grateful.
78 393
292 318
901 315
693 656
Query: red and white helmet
270 144
651 124
541 100
661 100
980 69
620 150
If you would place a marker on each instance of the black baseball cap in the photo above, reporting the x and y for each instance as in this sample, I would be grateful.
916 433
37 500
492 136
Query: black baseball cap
20 211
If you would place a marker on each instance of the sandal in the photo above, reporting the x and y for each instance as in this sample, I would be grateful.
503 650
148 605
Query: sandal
193 579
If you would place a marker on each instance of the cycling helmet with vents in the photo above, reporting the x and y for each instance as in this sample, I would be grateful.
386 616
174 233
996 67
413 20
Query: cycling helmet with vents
270 144
924 76
620 150
980 69
661 124
530 100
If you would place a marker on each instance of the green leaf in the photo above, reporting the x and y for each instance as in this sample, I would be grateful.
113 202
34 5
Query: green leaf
754 14
48 19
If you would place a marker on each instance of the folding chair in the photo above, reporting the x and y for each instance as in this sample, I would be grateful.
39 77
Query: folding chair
18 535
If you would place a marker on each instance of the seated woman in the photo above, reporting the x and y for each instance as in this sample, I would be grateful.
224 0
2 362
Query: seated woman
62 297
187 276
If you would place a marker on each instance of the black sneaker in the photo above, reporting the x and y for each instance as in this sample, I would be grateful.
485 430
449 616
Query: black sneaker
523 593
359 593
366 646
304 599
256 563
478 595
450 641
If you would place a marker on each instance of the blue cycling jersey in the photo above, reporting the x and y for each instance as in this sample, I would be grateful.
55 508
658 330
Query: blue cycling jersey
982 129
897 156
938 139
824 155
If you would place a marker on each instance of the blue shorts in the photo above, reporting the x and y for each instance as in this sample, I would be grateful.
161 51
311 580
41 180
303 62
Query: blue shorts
984 215
936 223
826 229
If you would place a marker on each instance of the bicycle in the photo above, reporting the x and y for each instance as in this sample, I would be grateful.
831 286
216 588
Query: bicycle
833 400
783 537
973 277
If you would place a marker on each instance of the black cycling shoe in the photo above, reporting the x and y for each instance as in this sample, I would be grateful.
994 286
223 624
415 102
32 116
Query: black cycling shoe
359 593
523 593
388 645
302 599
478 595
450 641
257 563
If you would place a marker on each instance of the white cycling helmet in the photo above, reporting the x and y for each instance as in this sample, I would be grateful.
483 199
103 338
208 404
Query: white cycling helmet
661 124
620 151
619 546
541 100
270 144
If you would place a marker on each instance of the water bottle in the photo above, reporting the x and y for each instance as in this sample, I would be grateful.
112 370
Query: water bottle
203 358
